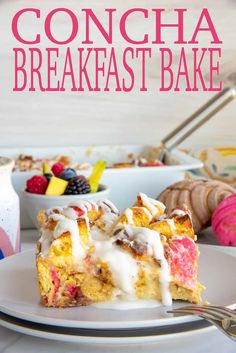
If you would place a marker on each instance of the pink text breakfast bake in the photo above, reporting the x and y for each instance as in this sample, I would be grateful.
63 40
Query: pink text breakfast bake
88 253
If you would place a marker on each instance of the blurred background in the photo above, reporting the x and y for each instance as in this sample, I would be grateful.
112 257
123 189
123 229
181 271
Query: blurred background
69 118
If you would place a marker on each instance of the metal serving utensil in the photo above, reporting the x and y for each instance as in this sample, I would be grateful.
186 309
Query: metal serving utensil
223 318
197 119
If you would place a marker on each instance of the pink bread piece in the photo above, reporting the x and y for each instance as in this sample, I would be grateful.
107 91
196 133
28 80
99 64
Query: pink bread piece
224 221
183 261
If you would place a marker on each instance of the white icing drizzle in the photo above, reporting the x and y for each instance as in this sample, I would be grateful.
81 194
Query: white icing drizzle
164 279
71 226
107 206
155 249
97 234
162 218
129 215
154 206
171 223
117 304
57 217
94 205
68 212
87 223
178 212
46 241
148 213
85 206
51 211
122 265
106 223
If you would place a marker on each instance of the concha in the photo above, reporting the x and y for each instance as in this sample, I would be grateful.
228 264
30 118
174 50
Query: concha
201 197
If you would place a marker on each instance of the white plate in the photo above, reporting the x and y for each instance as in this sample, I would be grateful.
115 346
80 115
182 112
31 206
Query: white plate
101 337
19 296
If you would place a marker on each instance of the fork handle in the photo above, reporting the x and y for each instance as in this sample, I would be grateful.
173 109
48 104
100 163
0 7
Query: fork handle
198 118
229 325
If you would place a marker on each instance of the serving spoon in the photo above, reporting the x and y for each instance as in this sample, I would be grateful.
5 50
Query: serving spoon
197 119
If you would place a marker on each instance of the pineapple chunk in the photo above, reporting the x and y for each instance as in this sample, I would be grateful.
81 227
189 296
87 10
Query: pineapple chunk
56 187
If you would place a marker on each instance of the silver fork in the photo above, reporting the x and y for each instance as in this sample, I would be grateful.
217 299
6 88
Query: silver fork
223 318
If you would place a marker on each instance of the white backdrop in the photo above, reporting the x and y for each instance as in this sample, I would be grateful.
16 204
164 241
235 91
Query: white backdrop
36 118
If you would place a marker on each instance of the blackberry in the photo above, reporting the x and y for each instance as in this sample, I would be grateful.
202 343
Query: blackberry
48 176
77 186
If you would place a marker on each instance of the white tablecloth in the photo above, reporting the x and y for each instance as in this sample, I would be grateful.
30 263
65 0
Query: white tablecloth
12 342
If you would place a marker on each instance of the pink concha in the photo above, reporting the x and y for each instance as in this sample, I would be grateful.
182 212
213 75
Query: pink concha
229 200
220 214
224 221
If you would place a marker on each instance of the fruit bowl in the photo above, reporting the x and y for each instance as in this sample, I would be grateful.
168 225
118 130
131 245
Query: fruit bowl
36 202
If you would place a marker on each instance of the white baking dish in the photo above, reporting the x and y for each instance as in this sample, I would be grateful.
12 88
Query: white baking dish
125 183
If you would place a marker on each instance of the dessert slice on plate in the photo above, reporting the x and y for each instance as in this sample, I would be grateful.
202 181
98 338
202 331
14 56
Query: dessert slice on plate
88 253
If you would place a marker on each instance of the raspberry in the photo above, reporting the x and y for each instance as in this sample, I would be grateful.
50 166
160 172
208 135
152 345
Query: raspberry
57 169
78 211
78 185
37 184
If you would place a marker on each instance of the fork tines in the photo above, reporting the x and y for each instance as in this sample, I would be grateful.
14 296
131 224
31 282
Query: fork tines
212 311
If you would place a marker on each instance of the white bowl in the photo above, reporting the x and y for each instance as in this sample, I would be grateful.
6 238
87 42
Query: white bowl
125 183
35 202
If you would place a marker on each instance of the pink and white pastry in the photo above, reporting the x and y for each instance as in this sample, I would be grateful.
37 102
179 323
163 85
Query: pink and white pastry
224 221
